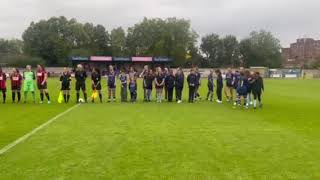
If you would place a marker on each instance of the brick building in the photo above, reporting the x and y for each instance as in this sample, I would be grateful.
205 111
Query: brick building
301 52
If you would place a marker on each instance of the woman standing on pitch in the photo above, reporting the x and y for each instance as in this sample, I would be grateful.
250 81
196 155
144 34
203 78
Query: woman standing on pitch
192 80
65 80
210 86
257 89
149 84
123 81
219 86
159 80
169 83
179 83
96 83
133 84
28 83
81 77
16 81
42 77
112 85
3 87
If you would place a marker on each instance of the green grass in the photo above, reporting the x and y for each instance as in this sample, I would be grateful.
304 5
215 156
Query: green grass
168 141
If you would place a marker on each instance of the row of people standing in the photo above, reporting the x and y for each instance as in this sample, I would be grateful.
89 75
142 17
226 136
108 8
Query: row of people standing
26 83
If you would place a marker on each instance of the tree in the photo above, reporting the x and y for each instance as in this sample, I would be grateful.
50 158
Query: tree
212 47
118 42
261 49
231 52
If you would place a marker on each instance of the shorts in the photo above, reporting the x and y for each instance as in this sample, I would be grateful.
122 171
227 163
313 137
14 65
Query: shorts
159 87
96 87
28 86
80 85
3 89
242 91
249 90
111 86
15 88
65 87
42 86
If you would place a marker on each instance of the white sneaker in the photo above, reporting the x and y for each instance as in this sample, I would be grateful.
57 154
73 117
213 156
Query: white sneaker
179 101
41 102
49 102
219 101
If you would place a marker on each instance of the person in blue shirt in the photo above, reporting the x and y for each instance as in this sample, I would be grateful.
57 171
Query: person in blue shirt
123 81
169 83
179 83
242 89
192 81
112 85
229 85
210 86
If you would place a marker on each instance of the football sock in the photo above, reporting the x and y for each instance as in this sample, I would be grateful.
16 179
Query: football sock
85 96
100 97
254 103
48 97
68 97
19 96
13 96
78 96
65 98
41 96
4 95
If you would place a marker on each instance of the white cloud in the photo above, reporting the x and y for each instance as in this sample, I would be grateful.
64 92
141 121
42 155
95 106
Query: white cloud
287 19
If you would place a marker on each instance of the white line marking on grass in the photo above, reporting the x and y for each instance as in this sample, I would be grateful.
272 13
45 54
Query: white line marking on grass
26 136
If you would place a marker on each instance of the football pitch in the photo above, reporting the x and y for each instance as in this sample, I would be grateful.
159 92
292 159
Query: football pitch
203 140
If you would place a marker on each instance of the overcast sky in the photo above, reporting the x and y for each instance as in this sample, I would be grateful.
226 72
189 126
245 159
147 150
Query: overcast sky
286 19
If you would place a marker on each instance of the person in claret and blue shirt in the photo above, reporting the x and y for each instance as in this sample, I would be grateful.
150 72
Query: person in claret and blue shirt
3 87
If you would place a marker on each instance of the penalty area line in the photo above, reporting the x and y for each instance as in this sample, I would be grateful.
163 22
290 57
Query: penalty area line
26 136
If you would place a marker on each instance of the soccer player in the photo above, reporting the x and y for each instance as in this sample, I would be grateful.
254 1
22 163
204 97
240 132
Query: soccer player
249 87
197 84
65 79
242 89
124 83
159 80
149 84
165 74
229 85
112 85
133 88
143 75
42 77
169 83
219 86
192 81
3 87
210 86
16 81
28 83
81 77
179 83
257 89
96 83
235 82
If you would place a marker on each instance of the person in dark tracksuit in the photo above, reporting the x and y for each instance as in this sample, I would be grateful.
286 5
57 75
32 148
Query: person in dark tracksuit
96 83
149 85
179 83
257 89
210 86
192 81
169 83
219 86
198 84
123 81
81 77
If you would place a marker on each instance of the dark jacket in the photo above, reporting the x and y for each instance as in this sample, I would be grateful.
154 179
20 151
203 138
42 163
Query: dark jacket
219 82
169 81
192 80
179 81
